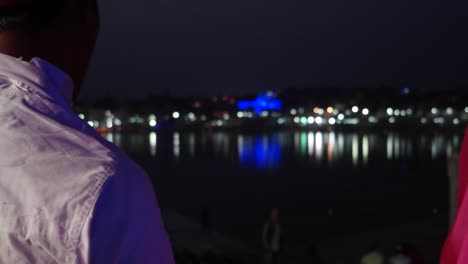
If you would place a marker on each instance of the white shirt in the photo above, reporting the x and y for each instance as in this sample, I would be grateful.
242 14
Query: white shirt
275 243
373 257
66 194
400 259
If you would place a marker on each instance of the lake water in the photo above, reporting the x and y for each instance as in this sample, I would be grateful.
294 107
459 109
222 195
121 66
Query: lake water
326 184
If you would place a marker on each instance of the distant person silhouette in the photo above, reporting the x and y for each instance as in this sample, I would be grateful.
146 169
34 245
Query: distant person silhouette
205 220
272 238
66 194
399 257
313 256
413 253
373 256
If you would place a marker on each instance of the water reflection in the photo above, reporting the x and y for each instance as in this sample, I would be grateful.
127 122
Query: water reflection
176 145
153 143
390 141
269 150
262 152
191 144
319 146
365 149
110 137
331 148
311 141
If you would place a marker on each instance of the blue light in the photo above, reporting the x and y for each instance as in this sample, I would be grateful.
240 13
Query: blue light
264 102
260 152
405 91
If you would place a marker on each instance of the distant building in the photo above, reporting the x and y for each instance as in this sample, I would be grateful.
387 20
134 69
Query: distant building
264 102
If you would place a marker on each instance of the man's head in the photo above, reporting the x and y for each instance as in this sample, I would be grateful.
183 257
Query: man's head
275 215
62 32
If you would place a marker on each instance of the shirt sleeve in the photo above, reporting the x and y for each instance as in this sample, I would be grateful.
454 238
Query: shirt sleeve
126 226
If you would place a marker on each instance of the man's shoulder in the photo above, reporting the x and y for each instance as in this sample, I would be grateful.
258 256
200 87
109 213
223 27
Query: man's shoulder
57 175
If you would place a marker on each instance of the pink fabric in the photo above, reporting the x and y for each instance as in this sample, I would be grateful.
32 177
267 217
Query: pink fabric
455 250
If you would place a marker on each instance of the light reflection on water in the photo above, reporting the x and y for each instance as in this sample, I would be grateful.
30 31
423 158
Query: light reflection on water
153 143
268 151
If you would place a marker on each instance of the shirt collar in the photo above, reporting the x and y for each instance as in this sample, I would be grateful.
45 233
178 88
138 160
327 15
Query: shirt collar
38 74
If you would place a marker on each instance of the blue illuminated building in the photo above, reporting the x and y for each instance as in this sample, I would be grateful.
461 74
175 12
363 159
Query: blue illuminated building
405 91
264 102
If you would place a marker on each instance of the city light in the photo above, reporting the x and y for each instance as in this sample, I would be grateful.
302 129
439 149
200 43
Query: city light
264 102
436 115
117 122
281 120
439 120
389 111
318 120
152 117
405 91
352 121
191 116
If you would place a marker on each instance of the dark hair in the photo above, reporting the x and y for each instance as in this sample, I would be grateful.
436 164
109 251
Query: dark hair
30 16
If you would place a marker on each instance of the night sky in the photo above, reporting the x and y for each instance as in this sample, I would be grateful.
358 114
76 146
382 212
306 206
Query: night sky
205 47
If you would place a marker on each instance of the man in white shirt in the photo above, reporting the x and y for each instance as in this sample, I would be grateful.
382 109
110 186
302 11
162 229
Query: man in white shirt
272 238
66 194
373 256
399 257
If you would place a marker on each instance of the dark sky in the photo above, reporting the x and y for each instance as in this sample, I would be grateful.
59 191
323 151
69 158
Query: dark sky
204 47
